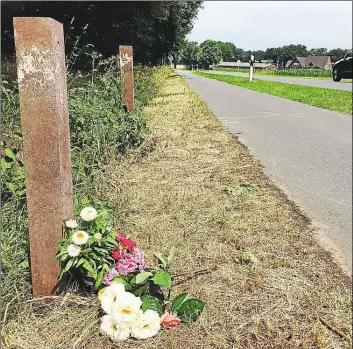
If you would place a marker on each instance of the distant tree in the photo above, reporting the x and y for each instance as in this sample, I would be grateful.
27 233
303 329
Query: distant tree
317 52
259 55
228 51
210 53
190 53
337 53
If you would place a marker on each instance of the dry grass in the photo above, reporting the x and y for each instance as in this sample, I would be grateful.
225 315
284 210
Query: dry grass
172 194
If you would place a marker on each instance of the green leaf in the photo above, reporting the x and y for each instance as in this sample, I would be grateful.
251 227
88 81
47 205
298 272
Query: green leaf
88 267
190 310
121 280
162 278
9 153
80 262
141 277
160 258
99 279
153 303
178 300
5 165
67 266
140 291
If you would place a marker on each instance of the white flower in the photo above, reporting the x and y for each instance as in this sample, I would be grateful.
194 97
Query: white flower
73 250
88 214
116 331
126 307
71 223
147 325
80 237
110 295
98 236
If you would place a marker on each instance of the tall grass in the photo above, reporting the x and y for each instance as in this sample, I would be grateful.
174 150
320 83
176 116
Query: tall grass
100 131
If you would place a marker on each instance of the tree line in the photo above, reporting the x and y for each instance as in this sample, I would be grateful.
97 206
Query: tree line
155 29
212 52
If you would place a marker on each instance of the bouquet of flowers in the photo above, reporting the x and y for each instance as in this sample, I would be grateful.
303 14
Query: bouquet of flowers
135 297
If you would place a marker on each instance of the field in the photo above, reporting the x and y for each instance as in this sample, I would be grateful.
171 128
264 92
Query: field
192 185
336 100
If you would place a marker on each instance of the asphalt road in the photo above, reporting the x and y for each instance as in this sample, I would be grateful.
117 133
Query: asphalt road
307 151
342 85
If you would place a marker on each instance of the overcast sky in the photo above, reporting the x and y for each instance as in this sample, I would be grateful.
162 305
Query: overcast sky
257 25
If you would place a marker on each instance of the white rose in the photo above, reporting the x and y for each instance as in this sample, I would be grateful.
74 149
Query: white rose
110 295
126 307
146 326
73 250
116 331
80 237
88 214
71 223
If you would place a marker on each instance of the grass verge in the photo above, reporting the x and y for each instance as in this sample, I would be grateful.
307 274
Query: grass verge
194 186
336 100
284 73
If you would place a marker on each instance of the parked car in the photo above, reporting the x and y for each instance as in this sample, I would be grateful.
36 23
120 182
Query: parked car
342 69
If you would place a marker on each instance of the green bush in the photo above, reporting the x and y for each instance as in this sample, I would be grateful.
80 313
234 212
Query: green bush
100 130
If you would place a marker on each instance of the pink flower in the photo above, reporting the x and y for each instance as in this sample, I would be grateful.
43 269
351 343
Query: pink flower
110 276
169 320
120 236
131 262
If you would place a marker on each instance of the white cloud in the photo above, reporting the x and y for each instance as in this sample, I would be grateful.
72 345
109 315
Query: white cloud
254 25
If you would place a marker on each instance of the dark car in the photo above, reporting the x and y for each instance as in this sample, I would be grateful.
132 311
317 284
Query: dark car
342 69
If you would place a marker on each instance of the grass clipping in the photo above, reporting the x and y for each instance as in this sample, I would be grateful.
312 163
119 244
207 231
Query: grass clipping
175 192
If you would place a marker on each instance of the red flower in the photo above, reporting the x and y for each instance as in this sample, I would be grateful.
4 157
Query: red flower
117 253
128 244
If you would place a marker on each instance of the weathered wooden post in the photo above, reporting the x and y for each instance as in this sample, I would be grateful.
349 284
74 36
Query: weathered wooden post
42 85
126 66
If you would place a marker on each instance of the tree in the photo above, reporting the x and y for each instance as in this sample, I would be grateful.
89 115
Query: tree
190 53
337 54
210 53
154 29
228 51
317 52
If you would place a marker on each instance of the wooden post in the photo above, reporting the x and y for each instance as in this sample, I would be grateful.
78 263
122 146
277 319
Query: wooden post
42 85
126 66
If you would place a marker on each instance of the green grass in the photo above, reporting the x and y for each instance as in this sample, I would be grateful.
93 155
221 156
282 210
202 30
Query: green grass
325 74
336 100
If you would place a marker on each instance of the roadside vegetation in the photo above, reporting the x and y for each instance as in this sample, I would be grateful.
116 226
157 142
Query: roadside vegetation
297 73
100 129
336 100
242 246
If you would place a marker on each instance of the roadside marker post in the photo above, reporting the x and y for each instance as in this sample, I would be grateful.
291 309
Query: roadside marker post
41 74
251 72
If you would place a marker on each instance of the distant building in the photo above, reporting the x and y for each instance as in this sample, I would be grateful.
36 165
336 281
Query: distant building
243 65
315 62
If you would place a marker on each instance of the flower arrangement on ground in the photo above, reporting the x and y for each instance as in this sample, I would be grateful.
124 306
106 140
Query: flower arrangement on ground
135 297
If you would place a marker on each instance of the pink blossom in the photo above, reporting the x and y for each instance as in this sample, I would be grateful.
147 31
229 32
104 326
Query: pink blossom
110 276
131 262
